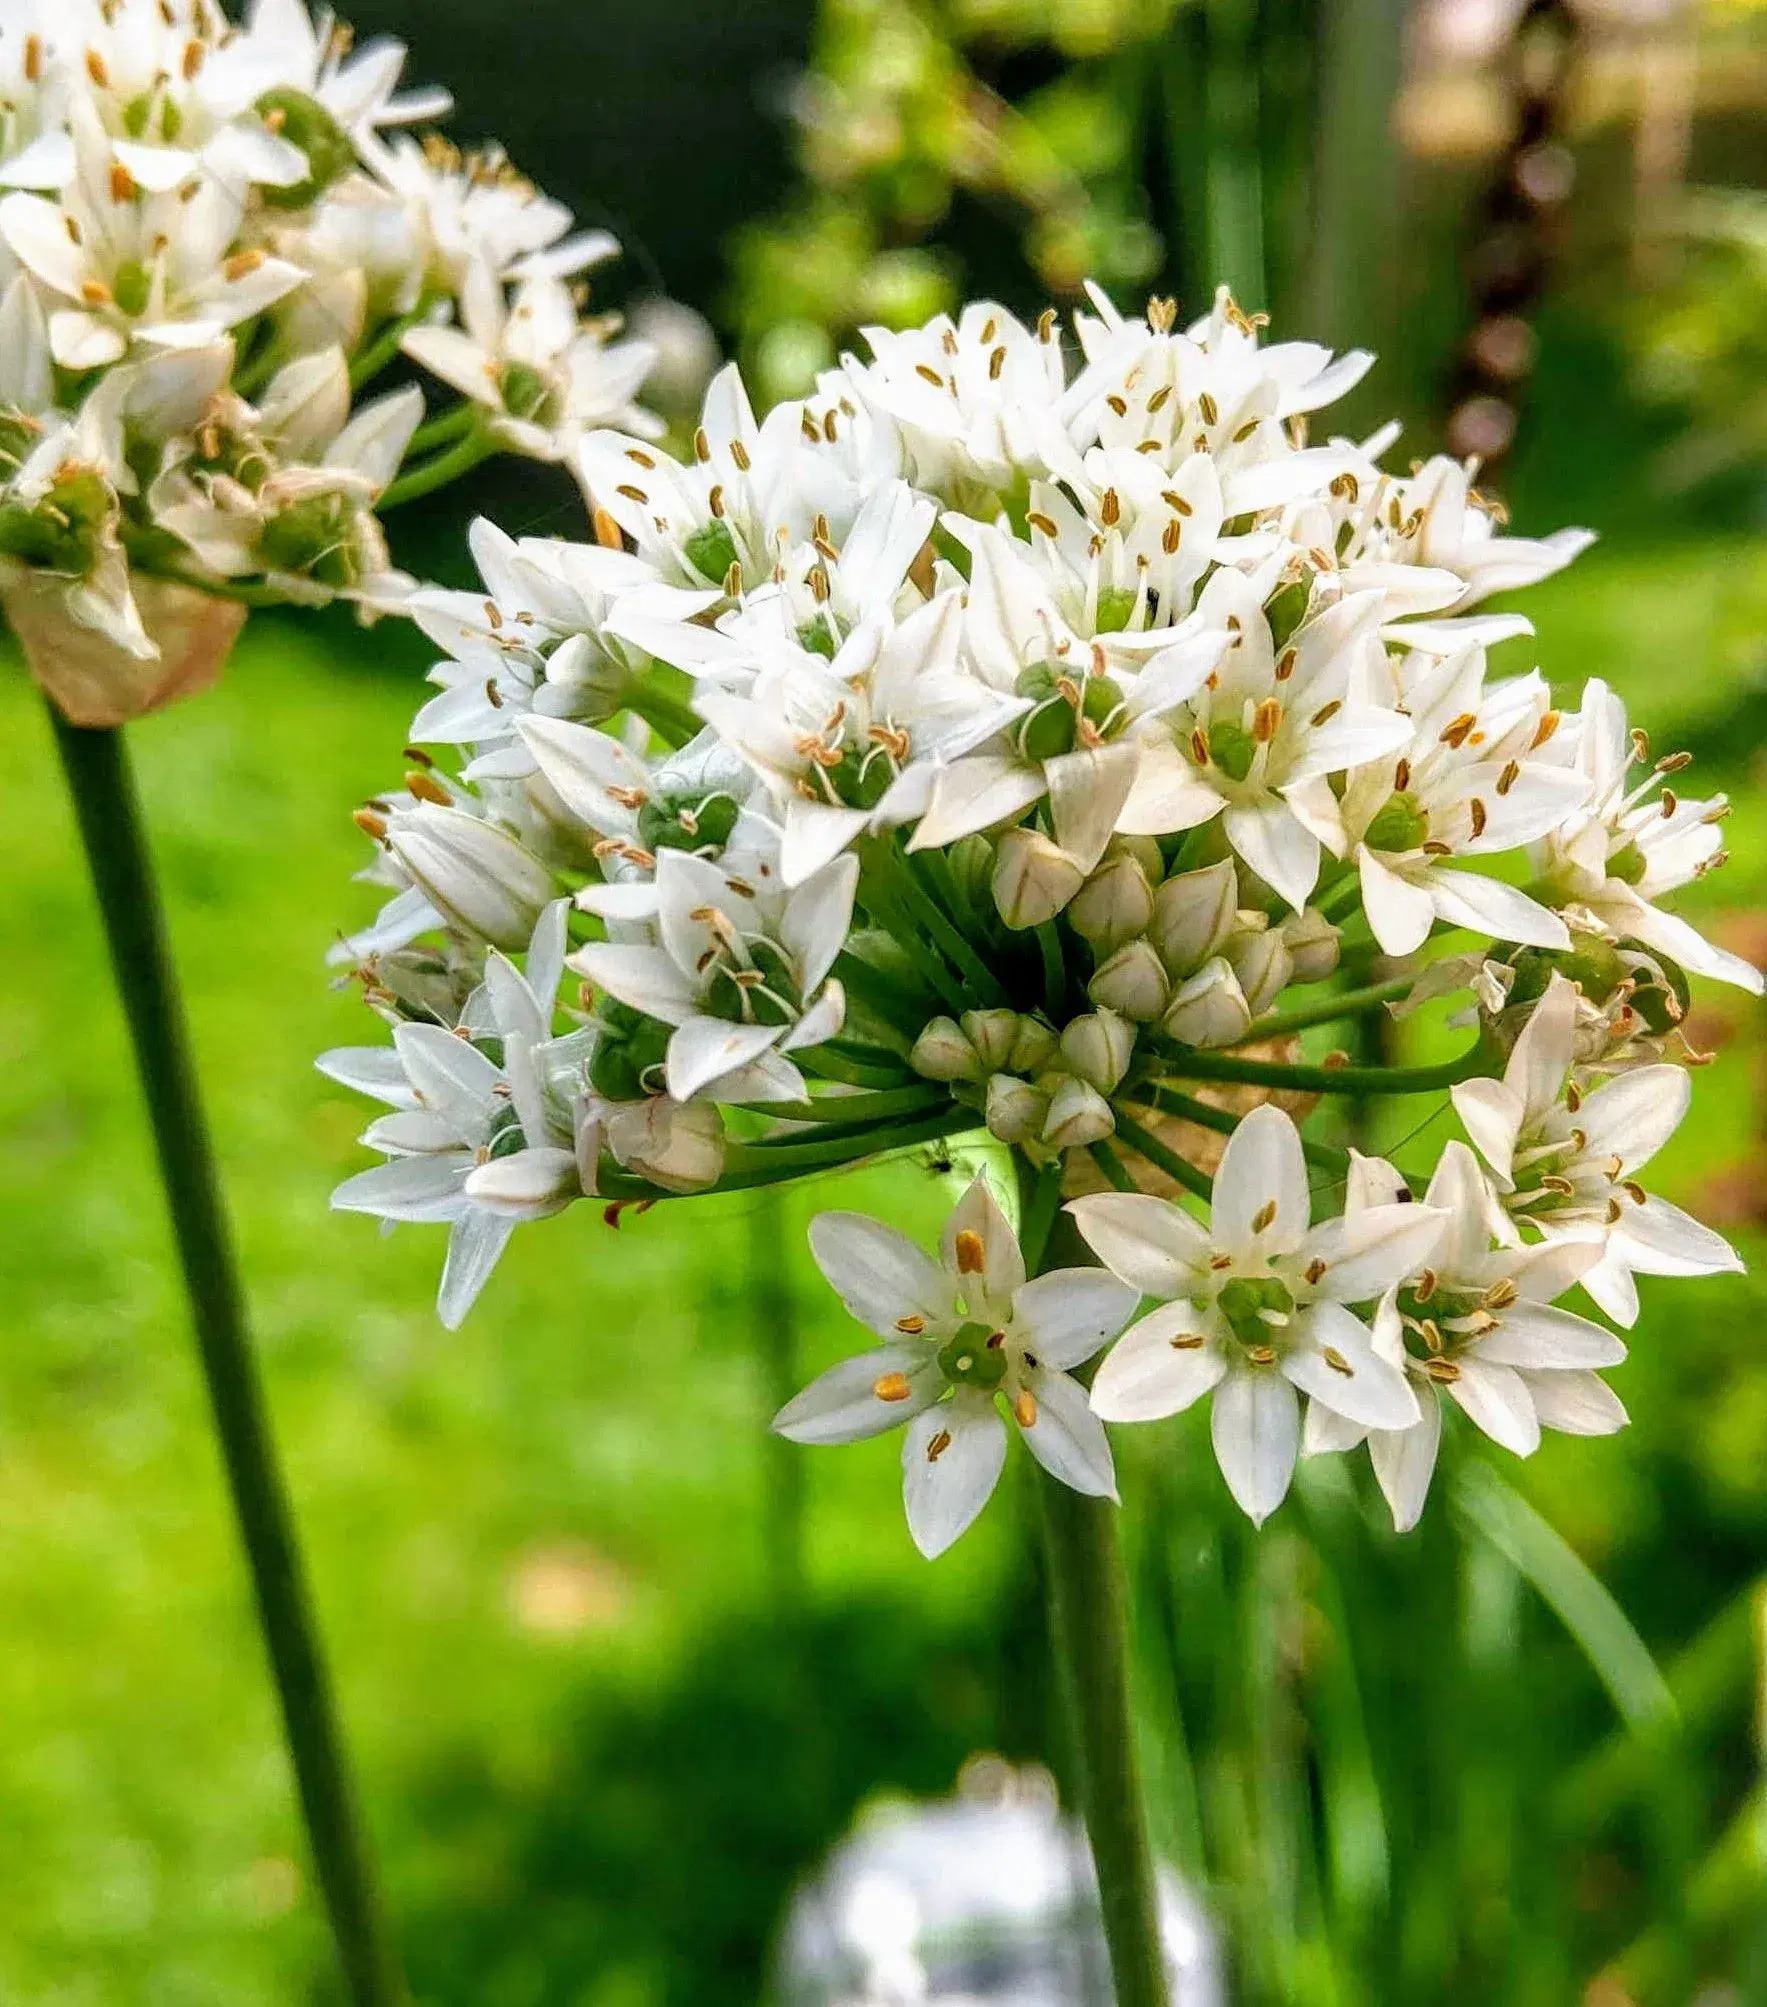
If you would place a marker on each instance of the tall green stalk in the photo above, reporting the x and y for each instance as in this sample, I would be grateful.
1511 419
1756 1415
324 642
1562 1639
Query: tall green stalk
105 802
1089 1622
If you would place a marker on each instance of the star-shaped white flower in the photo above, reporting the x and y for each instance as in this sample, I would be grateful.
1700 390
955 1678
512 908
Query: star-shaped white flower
962 1334
1253 1307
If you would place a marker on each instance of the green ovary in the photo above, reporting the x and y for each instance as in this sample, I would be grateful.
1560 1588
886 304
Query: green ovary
1246 1298
973 1358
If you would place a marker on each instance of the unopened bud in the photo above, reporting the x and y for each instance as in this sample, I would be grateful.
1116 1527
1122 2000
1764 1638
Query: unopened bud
1259 957
1210 1009
1078 1115
676 1144
1113 906
1033 1047
1192 915
941 1052
991 1033
1033 878
1313 943
477 877
1015 1109
1132 981
1098 1047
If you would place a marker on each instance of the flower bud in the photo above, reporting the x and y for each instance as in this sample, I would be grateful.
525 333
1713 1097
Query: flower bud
1113 906
1192 915
1259 957
941 1052
1097 1048
971 863
1210 1009
1033 878
1033 1047
991 1033
1133 981
1078 1114
676 1144
1313 942
527 1185
477 877
1015 1109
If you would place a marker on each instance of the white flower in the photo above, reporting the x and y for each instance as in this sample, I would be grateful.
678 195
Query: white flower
544 376
1253 1307
476 875
470 1140
1435 519
1566 1162
740 969
1465 783
961 1334
1477 1327
1634 843
129 266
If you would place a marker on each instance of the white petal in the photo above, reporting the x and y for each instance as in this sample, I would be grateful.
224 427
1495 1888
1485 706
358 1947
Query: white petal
1487 906
1067 1438
1576 1404
974 793
1147 1375
1404 1462
1658 1238
1632 1116
645 978
369 1069
879 1274
452 1078
1530 1334
1087 790
978 1212
1399 912
1063 1317
1368 1252
476 1241
1492 1113
1255 1424
1262 1163
1324 1432
705 1049
816 832
527 1185
1283 852
1364 1386
841 1405
1154 1246
410 1188
951 1461
1496 1399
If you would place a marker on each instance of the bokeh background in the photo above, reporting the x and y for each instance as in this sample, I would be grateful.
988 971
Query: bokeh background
618 1667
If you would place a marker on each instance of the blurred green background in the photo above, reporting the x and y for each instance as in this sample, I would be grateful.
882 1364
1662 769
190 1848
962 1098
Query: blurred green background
617 1666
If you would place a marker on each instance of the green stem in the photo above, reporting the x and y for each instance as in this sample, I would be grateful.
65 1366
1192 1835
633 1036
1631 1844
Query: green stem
384 348
1352 1080
449 465
677 722
1055 972
773 1319
105 802
1163 1158
1346 1003
1089 1626
445 426
1169 1101
1116 1173
952 942
750 1165
851 1108
864 1066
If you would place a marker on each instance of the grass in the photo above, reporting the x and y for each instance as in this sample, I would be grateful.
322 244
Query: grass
541 1546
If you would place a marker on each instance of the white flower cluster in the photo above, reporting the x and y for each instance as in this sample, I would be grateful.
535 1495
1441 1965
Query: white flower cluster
989 743
213 240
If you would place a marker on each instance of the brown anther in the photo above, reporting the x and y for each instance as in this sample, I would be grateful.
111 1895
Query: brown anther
1261 1355
1286 663
938 1446
33 59
122 183
1118 405
732 580
1337 1362
607 532
631 493
1615 1212
1476 809
1431 1333
95 293
1455 731
1220 1261
96 70
1158 399
1543 731
1443 1371
1316 1270
1671 802
1633 1190
739 455
1335 1059
1186 1341
1563 1187
425 787
1426 1285
1162 314
1043 524
1024 1408
493 696
1110 508
1401 776
1640 743
996 1341
1176 502
640 458
1267 720
1674 763
1501 1294
1171 536
1046 325
242 265
996 363
610 1213
1207 408
1509 776
1326 711
990 328
971 1254
911 1327
1264 1217
370 824
931 375
892 1387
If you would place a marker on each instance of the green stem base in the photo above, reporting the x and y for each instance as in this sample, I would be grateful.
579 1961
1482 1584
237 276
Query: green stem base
111 828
